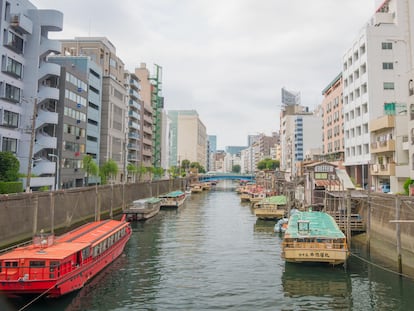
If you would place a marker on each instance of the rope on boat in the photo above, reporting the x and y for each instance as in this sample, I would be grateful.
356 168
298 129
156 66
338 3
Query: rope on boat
382 267
33 300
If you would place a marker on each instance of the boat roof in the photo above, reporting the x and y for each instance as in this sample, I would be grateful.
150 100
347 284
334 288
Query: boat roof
276 199
172 194
69 243
320 225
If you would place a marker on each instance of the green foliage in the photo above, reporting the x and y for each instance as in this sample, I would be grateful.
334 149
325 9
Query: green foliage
109 169
11 187
9 166
90 167
185 164
236 168
141 170
173 172
406 185
268 164
158 172
199 167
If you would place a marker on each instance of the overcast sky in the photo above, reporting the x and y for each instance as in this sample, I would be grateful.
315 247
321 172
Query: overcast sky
227 59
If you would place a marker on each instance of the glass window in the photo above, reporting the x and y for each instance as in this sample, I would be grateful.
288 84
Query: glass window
13 67
386 45
12 93
10 119
387 66
388 85
9 144
15 42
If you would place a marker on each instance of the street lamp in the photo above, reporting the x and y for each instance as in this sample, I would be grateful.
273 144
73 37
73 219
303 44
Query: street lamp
57 169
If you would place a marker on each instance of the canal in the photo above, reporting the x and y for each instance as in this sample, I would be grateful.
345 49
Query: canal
212 254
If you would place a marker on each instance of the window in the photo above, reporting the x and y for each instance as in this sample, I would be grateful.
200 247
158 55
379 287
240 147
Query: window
112 62
10 119
12 93
387 66
362 49
365 108
14 42
9 144
410 88
386 45
388 85
363 68
13 68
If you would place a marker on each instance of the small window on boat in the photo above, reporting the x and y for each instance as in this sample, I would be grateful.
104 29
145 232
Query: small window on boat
37 264
9 264
53 265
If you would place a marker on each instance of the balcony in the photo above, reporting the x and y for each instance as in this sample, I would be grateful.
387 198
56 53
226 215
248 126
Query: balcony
148 118
44 141
383 169
46 117
147 141
147 129
133 103
48 69
47 46
382 123
147 152
133 135
133 114
51 20
383 18
21 24
44 167
133 146
48 92
383 146
133 125
134 93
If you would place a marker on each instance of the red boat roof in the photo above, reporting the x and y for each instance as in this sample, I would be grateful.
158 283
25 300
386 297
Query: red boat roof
68 243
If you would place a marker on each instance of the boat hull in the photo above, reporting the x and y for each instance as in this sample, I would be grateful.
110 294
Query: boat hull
321 255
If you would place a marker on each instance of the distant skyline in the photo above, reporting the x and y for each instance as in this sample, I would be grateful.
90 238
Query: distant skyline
226 59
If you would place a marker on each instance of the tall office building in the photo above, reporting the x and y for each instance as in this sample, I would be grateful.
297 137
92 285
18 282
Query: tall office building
188 137
114 110
29 94
83 78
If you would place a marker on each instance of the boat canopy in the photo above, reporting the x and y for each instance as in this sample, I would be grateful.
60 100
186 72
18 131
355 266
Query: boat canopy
275 200
321 225
172 194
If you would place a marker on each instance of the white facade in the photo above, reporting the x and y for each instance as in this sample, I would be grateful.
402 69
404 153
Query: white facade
374 75
29 80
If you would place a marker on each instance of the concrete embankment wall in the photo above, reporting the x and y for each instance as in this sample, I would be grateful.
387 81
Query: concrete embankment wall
24 214
384 235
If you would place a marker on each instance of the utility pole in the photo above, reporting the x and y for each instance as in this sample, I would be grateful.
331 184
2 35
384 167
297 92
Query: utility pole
32 138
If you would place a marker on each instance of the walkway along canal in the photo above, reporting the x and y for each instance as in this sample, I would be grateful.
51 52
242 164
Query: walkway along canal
212 254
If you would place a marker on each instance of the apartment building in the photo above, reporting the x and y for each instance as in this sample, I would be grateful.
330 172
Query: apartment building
29 94
147 116
114 109
134 101
333 124
375 83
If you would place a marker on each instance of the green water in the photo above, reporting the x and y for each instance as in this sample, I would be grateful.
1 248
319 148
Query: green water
212 254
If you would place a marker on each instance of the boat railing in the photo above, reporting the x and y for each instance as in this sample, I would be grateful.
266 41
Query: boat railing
315 245
10 248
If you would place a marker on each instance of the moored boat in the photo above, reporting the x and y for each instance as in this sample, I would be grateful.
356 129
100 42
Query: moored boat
173 199
273 207
142 209
55 266
314 237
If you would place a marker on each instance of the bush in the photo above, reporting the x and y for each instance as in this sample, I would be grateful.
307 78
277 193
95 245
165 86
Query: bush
11 187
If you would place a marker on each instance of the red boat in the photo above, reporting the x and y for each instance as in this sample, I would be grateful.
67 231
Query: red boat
56 266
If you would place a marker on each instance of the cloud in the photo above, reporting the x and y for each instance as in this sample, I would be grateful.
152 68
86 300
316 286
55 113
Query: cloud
226 59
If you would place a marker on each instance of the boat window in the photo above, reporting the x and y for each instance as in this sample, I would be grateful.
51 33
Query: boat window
37 264
10 264
54 265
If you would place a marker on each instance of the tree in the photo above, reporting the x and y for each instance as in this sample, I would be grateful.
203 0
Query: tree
268 164
9 166
109 169
185 164
406 185
142 170
236 168
150 170
198 166
132 170
158 172
90 167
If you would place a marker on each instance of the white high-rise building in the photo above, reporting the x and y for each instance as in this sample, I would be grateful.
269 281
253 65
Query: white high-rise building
29 93
375 84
